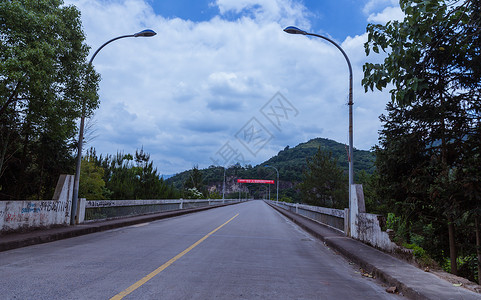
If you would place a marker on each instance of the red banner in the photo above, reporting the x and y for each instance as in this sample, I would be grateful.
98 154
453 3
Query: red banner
255 181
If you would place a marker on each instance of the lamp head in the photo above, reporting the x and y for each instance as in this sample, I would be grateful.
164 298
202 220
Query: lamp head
294 30
266 166
145 33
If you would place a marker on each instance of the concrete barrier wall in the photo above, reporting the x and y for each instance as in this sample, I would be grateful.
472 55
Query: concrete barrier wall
334 218
364 226
94 210
22 214
368 230
19 215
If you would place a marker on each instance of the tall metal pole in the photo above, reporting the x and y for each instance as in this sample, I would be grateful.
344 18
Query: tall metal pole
277 182
144 33
295 30
223 187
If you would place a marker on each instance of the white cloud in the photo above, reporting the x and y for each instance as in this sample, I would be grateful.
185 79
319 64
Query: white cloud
282 11
186 92
388 14
375 5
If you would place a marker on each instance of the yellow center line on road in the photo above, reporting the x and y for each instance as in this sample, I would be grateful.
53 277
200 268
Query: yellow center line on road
142 281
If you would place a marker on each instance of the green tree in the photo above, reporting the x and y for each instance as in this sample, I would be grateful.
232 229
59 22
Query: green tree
324 183
42 85
370 183
214 194
194 184
92 185
433 63
122 176
129 176
469 175
148 184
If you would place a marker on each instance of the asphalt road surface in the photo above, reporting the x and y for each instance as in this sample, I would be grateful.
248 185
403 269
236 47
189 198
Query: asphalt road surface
243 251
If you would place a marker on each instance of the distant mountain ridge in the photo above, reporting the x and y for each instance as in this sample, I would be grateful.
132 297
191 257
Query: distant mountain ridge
290 163
363 160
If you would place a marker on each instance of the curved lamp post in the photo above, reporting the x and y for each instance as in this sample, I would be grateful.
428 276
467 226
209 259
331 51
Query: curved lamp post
143 33
277 182
295 30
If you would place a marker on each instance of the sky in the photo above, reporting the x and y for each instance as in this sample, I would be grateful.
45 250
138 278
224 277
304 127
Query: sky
222 83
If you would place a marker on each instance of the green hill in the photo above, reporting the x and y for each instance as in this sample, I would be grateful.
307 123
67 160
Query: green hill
290 162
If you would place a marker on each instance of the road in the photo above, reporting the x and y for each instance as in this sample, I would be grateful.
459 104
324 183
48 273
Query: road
242 251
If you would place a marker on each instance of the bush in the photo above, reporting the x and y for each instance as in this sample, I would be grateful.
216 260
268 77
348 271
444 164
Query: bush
467 267
286 199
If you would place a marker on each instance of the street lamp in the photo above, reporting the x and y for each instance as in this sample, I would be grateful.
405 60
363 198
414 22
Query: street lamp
295 30
223 186
143 33
277 182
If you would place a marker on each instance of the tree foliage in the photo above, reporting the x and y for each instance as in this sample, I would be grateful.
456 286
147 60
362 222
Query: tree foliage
126 177
194 187
429 145
324 183
42 85
435 37
92 184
